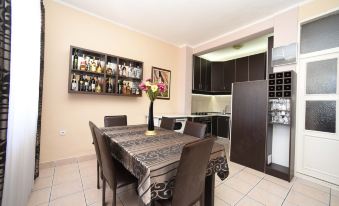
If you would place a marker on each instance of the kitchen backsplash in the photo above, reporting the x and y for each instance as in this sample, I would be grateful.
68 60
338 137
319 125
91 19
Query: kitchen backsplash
207 103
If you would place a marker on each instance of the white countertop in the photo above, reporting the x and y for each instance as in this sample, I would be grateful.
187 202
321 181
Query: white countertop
159 116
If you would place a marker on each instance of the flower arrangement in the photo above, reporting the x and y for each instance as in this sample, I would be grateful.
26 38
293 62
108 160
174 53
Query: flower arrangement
152 89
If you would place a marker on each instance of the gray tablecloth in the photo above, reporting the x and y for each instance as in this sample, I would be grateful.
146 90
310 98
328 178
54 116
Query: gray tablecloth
154 159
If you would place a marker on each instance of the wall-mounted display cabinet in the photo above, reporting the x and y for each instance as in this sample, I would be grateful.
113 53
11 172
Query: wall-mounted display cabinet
92 72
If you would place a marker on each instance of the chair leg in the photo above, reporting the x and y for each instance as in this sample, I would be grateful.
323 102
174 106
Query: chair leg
114 201
98 173
103 191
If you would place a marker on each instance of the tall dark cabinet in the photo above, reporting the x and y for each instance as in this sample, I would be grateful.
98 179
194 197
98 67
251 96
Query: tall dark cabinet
249 122
229 75
242 65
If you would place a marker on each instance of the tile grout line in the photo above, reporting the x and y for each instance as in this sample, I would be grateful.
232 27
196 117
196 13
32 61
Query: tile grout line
289 191
250 191
82 184
330 197
50 193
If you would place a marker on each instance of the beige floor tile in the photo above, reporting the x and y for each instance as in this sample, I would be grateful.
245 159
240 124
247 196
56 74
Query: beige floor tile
86 164
219 202
300 199
90 182
62 178
279 181
39 197
239 185
218 181
247 201
46 172
335 192
249 178
88 171
129 198
228 195
76 199
289 204
254 172
312 184
42 182
334 200
64 169
93 195
66 189
109 203
312 192
273 188
234 168
265 197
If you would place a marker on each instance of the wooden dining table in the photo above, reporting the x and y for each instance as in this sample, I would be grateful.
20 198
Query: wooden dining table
153 160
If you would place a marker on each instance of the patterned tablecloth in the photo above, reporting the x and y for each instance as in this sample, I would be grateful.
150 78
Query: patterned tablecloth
154 159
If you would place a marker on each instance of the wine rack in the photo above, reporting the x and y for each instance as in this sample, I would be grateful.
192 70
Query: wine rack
92 72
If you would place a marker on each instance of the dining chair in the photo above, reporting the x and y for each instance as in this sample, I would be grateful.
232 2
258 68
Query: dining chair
116 120
113 172
190 178
167 123
96 147
195 129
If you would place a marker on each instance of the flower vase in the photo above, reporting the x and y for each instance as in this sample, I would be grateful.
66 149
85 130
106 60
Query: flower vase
150 129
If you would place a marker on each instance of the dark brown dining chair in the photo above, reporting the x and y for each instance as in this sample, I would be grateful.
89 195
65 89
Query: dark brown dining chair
112 172
190 179
117 120
195 129
96 147
167 123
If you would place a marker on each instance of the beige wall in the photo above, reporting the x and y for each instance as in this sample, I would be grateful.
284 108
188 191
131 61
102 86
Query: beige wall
71 112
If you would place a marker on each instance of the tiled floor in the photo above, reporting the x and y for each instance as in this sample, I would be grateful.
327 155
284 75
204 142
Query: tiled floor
75 185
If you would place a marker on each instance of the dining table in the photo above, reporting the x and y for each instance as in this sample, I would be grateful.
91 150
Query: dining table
154 160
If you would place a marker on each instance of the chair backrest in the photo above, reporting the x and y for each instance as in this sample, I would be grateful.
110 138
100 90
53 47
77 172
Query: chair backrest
190 178
117 120
195 129
167 123
95 142
107 165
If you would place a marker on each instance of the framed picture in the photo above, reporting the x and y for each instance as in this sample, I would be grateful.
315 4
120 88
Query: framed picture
163 76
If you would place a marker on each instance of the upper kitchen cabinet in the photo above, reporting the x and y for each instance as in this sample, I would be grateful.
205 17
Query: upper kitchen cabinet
201 74
241 69
257 67
218 84
229 75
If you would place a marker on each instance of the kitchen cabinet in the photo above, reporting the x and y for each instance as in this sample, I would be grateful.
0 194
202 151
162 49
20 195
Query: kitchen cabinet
257 67
241 69
218 76
215 126
201 74
229 75
222 126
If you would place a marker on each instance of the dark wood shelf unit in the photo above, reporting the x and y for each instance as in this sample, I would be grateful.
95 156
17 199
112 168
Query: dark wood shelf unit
108 62
274 169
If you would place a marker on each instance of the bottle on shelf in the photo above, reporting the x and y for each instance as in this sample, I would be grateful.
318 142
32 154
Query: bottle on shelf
98 86
131 71
74 83
128 89
75 59
120 87
93 65
124 70
83 63
86 83
81 83
88 65
137 91
93 84
110 86
99 68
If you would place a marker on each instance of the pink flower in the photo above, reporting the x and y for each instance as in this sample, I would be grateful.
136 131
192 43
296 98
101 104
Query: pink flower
142 86
161 87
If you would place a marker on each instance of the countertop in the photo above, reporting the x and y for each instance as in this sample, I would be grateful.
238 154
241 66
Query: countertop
159 116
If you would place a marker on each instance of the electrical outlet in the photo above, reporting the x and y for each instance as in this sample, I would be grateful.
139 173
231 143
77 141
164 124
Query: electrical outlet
62 132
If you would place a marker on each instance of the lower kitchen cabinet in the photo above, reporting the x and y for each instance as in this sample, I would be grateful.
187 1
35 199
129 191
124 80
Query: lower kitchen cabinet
222 126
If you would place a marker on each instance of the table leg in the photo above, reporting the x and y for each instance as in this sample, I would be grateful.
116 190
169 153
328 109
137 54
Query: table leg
209 190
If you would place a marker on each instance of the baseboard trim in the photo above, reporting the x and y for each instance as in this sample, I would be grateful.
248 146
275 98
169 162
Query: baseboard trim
316 180
71 160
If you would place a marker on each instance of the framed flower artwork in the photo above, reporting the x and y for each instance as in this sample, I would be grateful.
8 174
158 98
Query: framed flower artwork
162 76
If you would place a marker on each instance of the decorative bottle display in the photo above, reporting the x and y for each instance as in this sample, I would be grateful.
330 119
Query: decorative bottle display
86 83
75 60
99 68
98 86
83 63
81 84
92 84
74 83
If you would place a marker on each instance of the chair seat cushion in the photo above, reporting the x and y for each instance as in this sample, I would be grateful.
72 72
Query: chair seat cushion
167 202
123 176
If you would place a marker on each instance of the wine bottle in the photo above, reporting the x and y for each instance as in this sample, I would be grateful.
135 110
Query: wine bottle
94 65
98 86
74 83
124 70
86 83
93 84
128 89
120 87
75 59
81 83
99 69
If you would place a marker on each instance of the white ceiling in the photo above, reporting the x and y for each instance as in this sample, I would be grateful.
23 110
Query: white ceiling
180 22
248 48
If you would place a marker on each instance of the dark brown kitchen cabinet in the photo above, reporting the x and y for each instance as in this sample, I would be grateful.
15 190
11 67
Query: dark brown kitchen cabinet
218 83
223 126
201 74
229 75
215 126
257 67
241 69
196 73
